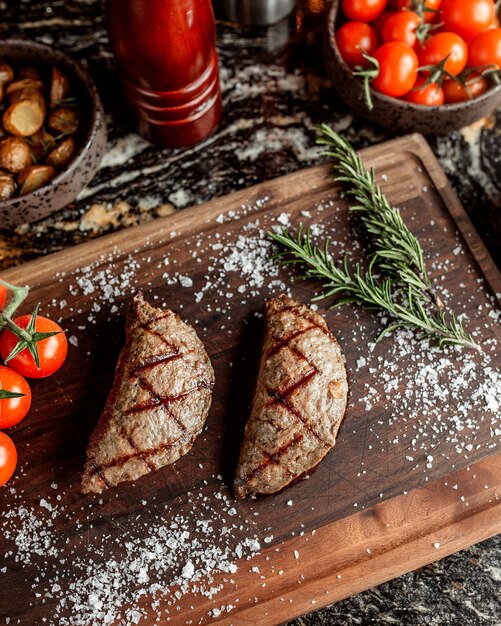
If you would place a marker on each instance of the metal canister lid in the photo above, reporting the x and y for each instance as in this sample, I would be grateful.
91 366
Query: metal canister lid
256 12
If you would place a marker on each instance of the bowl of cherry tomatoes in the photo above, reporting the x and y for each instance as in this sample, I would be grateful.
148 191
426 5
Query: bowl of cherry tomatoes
429 66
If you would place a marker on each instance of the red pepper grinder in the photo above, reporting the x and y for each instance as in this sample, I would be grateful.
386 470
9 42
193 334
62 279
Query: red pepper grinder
167 59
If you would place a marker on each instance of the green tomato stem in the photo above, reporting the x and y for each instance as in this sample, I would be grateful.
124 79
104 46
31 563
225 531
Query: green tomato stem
18 296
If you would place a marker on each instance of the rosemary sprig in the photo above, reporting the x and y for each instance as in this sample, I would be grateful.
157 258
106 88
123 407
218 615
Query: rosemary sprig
398 252
368 290
396 280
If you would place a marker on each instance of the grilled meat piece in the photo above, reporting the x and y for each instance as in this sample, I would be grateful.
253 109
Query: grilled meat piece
158 403
299 402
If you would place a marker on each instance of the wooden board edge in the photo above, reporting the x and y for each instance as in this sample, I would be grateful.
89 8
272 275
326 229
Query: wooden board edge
173 227
367 548
181 222
460 217
412 542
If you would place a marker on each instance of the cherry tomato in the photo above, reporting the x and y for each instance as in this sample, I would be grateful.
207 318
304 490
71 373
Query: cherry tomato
3 296
430 7
456 92
467 18
8 458
352 38
51 351
13 410
485 49
430 95
379 23
402 27
398 65
438 47
363 10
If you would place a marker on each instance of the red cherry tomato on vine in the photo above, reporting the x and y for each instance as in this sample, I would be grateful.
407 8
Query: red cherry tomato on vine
430 7
398 65
13 410
363 10
456 92
8 458
402 27
427 95
353 38
51 351
438 47
378 24
3 296
467 18
485 49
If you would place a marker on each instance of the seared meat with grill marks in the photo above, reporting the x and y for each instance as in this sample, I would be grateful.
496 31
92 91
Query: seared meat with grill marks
299 402
158 403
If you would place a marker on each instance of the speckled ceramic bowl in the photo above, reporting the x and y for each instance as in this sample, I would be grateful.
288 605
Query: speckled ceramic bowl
397 114
65 186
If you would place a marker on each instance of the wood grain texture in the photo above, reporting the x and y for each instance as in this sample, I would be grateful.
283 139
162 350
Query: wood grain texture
366 549
365 468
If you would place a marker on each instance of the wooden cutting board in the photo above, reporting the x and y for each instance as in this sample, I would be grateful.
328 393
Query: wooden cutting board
415 474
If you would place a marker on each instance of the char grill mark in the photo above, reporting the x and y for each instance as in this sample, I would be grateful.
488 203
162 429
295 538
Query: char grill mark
283 396
284 343
156 402
155 360
164 401
274 458
142 454
99 471
132 444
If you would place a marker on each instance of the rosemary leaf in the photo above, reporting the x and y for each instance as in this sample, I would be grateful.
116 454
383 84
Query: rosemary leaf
402 302
399 252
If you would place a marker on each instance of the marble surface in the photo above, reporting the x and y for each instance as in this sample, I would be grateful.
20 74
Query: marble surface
275 91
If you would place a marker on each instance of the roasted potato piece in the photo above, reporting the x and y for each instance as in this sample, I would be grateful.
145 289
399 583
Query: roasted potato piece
62 155
34 177
25 83
64 120
6 73
41 144
30 72
14 154
34 143
25 117
7 185
59 87
27 94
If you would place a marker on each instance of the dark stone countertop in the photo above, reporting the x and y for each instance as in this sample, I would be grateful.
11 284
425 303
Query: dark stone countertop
275 92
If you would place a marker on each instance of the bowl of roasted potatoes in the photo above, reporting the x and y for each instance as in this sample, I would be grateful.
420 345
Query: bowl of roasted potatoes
52 131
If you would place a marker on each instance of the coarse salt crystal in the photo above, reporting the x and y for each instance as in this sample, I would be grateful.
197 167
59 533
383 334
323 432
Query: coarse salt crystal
185 281
188 570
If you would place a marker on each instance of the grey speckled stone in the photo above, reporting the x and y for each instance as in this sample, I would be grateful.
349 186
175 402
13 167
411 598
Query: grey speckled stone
461 590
